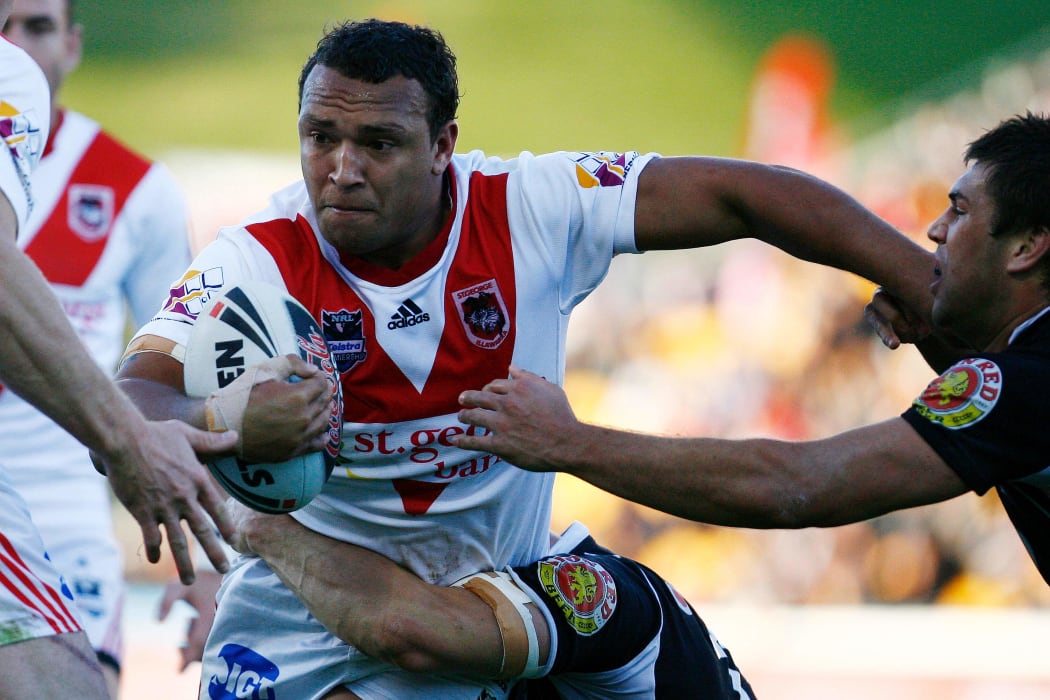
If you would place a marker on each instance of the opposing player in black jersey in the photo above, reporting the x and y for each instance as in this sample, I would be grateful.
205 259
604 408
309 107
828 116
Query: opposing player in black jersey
580 623
975 427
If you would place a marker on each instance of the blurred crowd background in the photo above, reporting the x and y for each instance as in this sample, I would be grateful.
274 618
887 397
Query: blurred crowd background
736 341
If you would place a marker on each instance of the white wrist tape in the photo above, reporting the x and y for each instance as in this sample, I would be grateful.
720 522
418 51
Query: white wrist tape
224 409
521 648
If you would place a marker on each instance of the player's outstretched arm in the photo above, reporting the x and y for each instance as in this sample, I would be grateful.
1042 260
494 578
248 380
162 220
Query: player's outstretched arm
748 483
372 603
694 202
152 467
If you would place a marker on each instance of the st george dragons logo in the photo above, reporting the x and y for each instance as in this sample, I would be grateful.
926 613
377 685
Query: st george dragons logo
483 314
963 395
583 590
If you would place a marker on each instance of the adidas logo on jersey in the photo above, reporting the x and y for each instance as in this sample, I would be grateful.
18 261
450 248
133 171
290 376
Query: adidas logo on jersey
408 314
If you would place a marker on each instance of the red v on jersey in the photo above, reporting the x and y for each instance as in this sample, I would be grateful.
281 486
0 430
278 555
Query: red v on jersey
70 242
375 388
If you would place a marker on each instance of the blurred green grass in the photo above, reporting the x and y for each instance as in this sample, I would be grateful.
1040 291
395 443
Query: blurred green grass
664 75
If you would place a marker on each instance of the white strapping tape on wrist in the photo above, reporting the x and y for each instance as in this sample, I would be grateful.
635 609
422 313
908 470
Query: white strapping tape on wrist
521 647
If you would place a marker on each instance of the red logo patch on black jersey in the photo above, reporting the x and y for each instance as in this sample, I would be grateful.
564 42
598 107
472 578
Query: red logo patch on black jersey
345 334
483 314
583 590
963 395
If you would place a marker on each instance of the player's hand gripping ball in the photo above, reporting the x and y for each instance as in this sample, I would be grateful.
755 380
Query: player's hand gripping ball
243 326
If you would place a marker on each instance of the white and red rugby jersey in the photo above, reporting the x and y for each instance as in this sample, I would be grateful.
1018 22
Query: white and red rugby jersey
109 230
530 238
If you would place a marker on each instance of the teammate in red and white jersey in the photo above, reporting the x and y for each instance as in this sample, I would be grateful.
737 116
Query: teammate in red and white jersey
110 232
431 272
152 466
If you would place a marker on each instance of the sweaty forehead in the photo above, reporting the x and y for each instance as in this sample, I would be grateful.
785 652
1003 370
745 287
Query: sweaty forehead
327 88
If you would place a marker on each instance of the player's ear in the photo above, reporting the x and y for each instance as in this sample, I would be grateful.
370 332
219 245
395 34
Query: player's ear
444 146
74 44
1031 247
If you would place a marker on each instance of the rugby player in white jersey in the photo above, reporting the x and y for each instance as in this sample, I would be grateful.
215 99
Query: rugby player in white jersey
431 272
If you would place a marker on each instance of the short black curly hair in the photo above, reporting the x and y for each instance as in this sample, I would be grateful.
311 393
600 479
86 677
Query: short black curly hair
374 51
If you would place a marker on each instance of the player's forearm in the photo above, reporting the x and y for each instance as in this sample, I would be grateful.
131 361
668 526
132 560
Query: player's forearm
154 383
746 483
372 603
45 362
695 202
816 221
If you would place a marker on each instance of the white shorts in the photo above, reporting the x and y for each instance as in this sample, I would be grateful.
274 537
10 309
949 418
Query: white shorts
265 644
75 523
34 600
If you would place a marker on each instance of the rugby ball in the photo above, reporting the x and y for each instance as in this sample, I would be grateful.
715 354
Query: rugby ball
242 326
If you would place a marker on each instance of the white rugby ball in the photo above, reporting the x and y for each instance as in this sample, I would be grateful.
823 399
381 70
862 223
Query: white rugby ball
242 326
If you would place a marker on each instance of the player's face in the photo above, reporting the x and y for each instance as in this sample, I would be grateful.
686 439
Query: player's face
374 175
971 264
41 28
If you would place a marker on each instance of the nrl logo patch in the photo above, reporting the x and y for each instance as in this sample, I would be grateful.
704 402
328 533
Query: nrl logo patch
90 211
483 314
582 589
344 331
963 395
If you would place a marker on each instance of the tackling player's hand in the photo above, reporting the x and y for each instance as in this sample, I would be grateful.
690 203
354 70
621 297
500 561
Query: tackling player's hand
525 419
201 597
250 525
157 476
893 323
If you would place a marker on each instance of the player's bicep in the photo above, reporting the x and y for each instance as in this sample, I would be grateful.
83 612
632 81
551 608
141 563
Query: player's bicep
880 468
602 610
682 204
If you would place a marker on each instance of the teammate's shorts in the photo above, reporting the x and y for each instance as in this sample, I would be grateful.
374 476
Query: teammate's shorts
82 546
621 631
265 644
34 600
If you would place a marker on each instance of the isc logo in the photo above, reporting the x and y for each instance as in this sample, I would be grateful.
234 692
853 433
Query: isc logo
229 361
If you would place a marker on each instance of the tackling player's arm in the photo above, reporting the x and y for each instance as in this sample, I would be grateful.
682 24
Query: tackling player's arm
757 483
152 467
386 611
691 202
